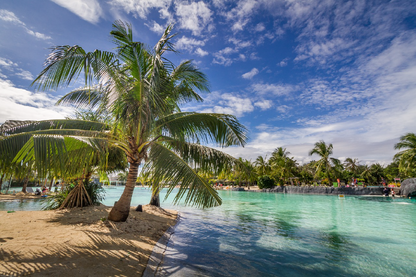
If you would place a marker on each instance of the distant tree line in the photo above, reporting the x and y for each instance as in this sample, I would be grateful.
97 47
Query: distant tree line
282 169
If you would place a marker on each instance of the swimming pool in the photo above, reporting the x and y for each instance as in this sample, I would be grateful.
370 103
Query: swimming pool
273 234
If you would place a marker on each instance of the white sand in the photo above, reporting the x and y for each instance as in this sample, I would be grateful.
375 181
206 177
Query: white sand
78 243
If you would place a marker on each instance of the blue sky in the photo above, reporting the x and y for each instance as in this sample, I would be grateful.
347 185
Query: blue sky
293 71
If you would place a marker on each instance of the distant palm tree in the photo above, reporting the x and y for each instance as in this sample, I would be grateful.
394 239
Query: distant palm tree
351 165
366 174
325 164
406 157
277 154
262 166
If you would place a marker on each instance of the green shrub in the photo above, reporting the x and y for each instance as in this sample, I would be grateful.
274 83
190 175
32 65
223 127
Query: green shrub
265 182
95 191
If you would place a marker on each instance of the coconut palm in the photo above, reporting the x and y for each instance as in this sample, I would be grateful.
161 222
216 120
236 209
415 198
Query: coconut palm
277 154
262 166
406 157
142 90
326 163
351 165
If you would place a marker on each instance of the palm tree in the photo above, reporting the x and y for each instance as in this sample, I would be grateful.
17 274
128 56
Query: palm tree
142 90
325 164
366 174
351 165
277 154
262 166
406 157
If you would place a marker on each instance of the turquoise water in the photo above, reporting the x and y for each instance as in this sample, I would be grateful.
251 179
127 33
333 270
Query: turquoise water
268 234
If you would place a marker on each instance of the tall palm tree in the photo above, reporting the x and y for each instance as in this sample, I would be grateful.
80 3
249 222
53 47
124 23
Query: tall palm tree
406 157
325 163
142 90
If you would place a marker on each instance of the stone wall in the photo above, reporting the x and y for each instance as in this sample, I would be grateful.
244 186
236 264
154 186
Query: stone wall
327 190
408 187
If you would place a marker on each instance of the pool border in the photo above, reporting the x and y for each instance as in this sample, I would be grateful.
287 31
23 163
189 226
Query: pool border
156 258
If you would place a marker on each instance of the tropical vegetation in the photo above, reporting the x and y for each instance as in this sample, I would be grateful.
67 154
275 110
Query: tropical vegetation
141 90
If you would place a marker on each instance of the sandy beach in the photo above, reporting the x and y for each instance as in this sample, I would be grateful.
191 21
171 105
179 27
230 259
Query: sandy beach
79 242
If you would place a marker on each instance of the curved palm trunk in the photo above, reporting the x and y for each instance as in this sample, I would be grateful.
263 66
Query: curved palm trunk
121 209
25 185
155 200
51 184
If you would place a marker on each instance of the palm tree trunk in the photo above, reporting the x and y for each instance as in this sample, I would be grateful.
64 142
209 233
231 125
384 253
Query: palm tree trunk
1 180
25 184
155 200
121 209
51 183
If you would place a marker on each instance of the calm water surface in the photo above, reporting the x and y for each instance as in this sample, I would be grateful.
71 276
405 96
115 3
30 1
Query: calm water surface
268 234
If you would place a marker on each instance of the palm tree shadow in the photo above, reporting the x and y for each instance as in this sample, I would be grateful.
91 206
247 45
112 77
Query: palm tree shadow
108 250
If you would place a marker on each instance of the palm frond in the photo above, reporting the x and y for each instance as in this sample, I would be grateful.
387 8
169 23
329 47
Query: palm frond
168 168
222 129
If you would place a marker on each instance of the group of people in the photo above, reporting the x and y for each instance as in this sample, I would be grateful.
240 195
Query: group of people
44 190
387 191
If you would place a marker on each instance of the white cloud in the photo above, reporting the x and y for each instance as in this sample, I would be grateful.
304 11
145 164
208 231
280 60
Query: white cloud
21 104
11 17
240 44
14 68
26 75
142 8
259 27
89 10
250 74
194 16
220 57
283 109
155 27
188 43
283 63
228 103
7 63
264 104
273 89
240 14
201 52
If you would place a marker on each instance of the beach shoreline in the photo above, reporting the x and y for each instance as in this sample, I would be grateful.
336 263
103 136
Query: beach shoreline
80 242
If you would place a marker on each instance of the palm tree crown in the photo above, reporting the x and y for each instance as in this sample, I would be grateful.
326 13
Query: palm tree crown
324 165
406 157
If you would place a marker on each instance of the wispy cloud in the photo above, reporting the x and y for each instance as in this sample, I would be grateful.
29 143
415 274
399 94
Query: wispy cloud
155 27
250 74
188 44
222 56
240 15
273 89
15 69
201 52
143 8
9 16
264 104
